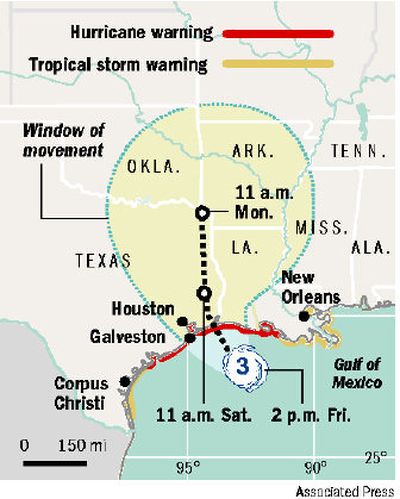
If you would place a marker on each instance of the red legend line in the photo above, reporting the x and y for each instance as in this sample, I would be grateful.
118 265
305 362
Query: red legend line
278 33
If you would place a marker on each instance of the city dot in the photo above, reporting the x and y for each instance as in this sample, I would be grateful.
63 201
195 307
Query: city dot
125 381
190 337
304 316
182 321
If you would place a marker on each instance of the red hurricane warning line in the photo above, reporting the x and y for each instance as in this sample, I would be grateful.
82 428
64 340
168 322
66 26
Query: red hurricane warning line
263 333
278 33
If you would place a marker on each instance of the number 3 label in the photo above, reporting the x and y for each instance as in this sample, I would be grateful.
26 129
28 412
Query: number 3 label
245 368
244 364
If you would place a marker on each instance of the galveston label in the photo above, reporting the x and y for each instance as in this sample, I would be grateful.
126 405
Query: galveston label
112 336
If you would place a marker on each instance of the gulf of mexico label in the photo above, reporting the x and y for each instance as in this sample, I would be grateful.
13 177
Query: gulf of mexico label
245 368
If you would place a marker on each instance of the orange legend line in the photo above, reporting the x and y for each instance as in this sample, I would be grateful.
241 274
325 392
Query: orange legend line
277 63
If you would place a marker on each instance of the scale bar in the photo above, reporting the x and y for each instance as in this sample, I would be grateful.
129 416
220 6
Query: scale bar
54 464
